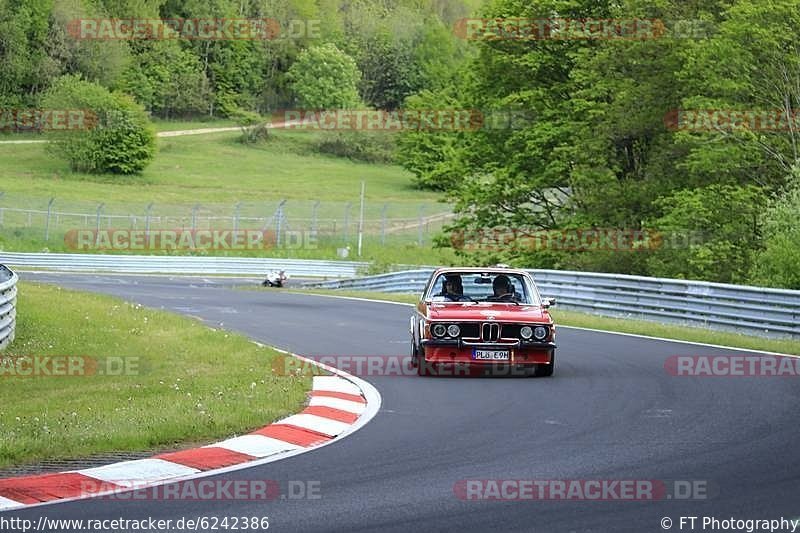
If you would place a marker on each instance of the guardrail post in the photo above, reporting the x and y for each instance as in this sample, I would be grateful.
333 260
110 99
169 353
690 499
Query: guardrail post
347 221
383 224
361 218
147 214
8 298
420 223
279 223
47 222
194 216
314 210
97 225
236 211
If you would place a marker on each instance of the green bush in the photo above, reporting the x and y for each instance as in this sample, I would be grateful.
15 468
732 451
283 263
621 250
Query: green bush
117 137
777 264
324 77
709 233
254 128
358 146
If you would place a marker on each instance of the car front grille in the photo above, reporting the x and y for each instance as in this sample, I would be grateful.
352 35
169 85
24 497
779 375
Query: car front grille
490 331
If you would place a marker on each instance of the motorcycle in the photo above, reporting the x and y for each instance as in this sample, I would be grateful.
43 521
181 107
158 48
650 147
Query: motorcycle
275 278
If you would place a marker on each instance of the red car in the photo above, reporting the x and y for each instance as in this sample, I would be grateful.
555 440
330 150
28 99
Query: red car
489 319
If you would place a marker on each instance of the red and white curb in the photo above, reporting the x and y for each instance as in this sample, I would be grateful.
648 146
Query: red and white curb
340 404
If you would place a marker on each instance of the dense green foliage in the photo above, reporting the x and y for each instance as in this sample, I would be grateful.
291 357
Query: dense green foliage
604 148
592 136
117 137
324 77
400 46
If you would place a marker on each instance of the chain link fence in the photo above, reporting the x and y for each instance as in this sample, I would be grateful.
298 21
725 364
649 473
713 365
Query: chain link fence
48 220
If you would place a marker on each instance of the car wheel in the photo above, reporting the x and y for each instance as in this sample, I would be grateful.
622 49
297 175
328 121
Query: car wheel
422 365
545 371
414 354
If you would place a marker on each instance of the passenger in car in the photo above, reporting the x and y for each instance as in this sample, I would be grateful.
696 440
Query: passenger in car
452 288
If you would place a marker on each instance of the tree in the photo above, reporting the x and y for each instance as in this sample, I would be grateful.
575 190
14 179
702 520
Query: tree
752 62
777 264
116 138
324 77
167 80
709 233
432 156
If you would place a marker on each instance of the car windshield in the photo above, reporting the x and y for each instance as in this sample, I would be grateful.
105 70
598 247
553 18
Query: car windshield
499 287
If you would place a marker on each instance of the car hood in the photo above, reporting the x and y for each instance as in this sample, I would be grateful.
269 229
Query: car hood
483 311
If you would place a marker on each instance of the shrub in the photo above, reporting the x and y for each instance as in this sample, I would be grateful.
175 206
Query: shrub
359 146
777 264
118 138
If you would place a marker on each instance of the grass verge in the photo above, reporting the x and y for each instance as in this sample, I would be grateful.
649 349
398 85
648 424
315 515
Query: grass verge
619 325
182 382
215 169
181 125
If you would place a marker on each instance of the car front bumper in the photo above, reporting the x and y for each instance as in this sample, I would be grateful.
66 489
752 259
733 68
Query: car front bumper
455 351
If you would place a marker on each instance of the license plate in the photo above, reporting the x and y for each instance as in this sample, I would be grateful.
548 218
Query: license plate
491 355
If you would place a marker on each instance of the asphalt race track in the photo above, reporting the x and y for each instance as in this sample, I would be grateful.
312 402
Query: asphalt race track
611 412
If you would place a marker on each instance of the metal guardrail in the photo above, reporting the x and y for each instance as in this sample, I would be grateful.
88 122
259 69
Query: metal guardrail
744 309
8 311
141 264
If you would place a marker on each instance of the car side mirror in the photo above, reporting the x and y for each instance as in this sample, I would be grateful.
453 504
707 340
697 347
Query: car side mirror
548 302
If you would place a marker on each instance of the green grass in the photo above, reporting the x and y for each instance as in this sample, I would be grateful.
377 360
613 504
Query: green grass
212 169
191 384
396 250
215 172
178 125
639 327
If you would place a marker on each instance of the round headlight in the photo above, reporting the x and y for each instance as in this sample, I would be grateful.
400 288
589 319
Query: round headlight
539 332
439 330
453 330
526 332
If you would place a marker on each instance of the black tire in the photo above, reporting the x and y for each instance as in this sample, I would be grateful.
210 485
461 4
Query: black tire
545 371
422 366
